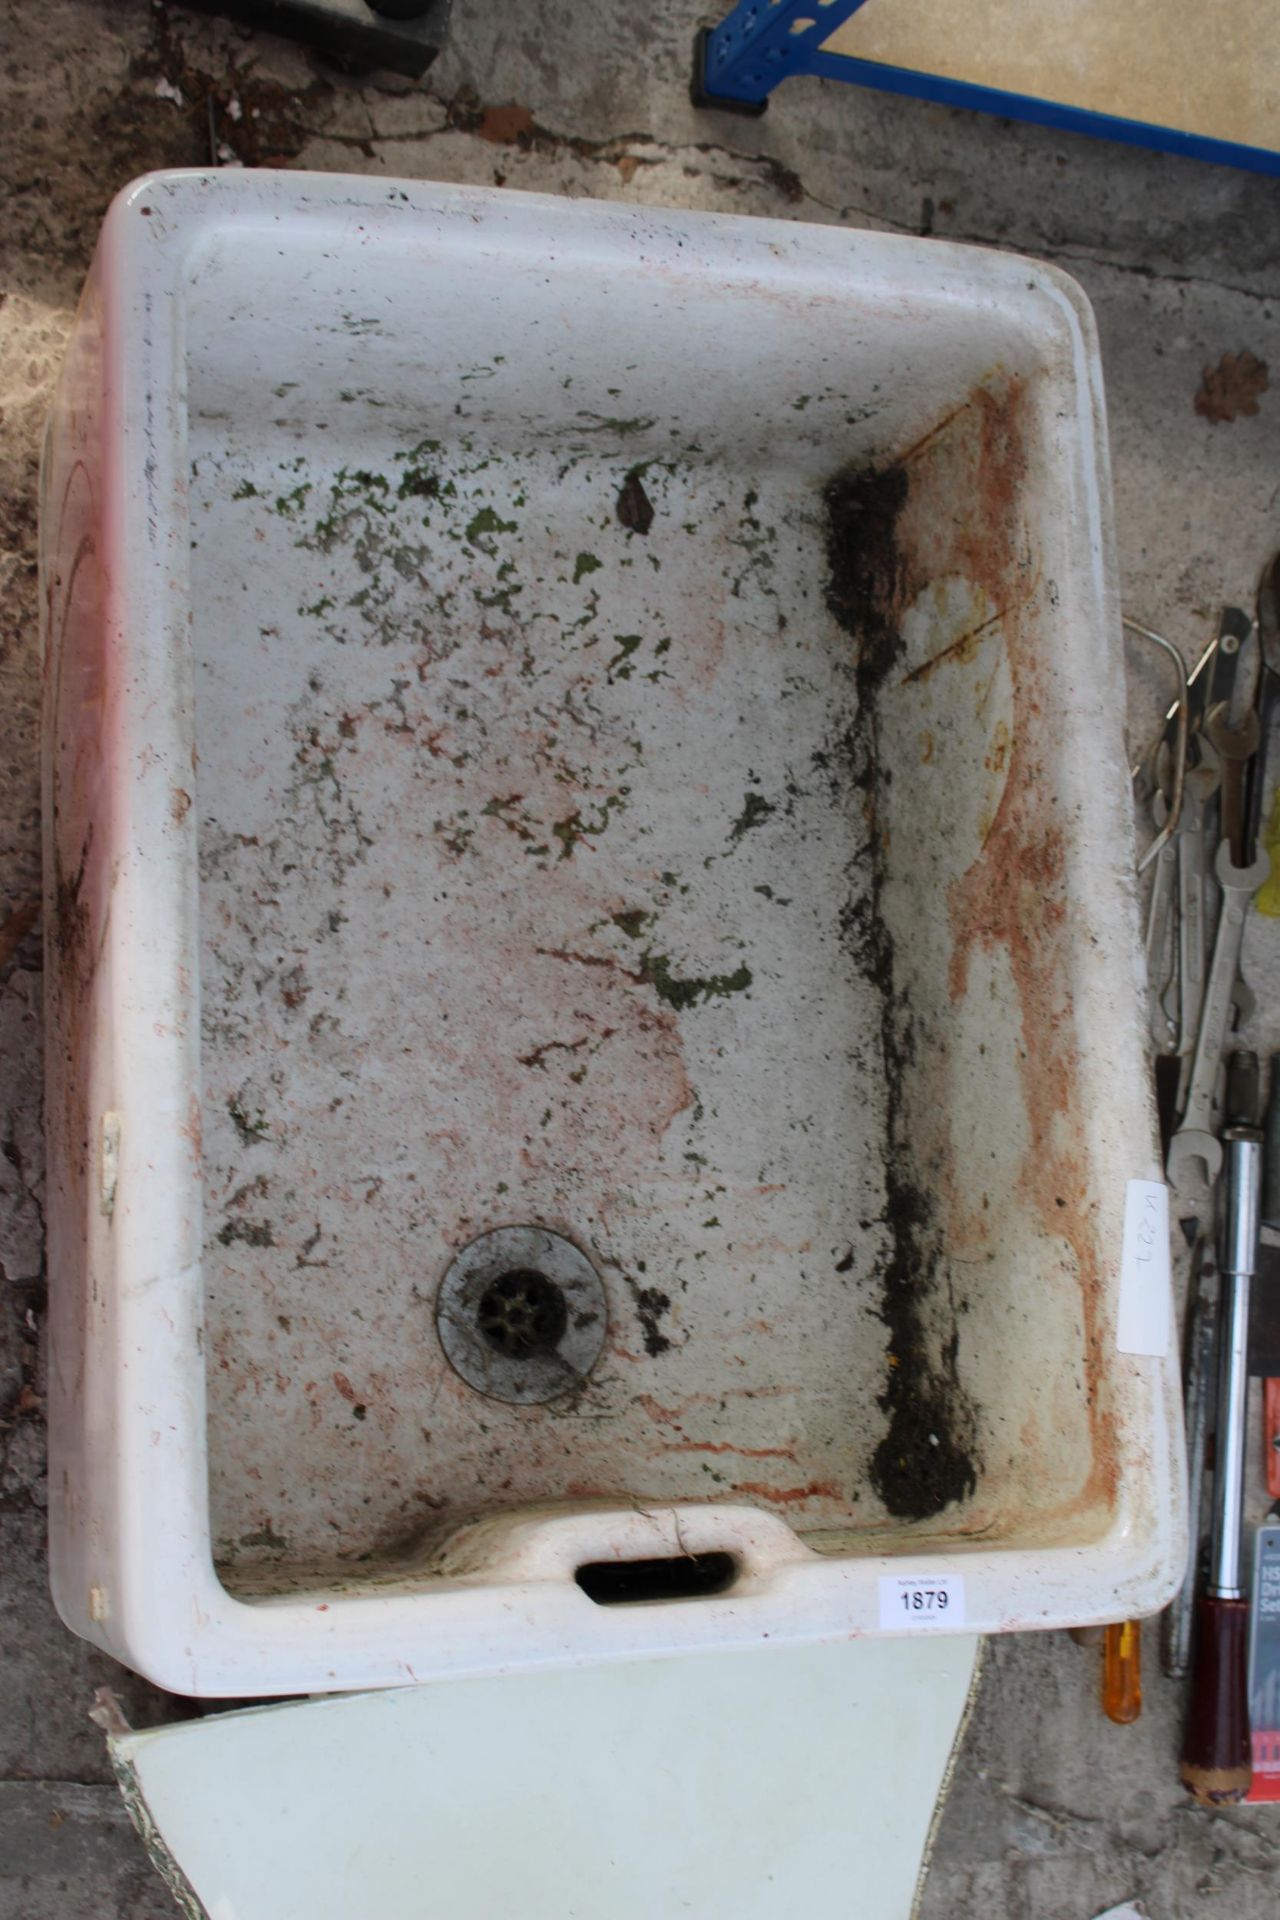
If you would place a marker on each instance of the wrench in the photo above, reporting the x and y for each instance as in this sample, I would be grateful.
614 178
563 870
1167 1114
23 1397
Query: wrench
1195 1139
1236 746
1201 784
1269 688
1234 628
1162 990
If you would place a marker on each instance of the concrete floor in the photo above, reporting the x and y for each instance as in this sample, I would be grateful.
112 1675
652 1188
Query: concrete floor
1054 1813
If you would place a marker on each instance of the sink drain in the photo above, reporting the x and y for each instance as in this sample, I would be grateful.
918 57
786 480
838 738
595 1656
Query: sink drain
521 1315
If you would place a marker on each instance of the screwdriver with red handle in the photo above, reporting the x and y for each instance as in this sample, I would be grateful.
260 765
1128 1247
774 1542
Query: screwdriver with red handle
1271 1218
1216 1757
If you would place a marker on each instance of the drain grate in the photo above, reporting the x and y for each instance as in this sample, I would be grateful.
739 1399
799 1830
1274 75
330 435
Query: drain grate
521 1315
523 1312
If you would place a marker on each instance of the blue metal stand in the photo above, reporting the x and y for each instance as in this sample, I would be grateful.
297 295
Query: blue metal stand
739 63
763 42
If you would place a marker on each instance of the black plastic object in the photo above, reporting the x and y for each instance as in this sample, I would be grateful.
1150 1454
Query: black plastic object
1271 1150
402 35
1168 1069
1264 1314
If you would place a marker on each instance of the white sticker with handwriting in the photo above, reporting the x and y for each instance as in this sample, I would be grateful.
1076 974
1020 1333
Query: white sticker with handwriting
1142 1324
921 1600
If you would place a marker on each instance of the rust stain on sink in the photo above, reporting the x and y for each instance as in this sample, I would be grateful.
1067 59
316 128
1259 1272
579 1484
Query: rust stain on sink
896 531
1014 897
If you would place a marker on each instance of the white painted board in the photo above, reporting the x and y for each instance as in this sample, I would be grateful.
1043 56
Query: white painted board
795 1782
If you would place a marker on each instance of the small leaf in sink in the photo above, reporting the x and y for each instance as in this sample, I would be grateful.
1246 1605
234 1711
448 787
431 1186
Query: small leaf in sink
634 507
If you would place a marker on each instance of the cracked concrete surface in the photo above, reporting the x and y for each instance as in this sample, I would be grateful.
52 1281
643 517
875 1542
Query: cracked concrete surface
1054 1813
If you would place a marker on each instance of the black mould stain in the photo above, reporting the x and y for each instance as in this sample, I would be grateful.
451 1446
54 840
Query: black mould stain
418 483
926 1460
651 1304
253 1233
71 915
250 1127
864 566
266 1536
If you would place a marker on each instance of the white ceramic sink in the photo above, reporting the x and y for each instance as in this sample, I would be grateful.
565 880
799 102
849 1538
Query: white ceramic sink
605 725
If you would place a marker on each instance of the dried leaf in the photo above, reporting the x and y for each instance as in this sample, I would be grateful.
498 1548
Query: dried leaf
635 509
504 126
1232 387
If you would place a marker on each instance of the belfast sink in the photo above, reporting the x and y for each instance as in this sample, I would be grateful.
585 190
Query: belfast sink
595 1027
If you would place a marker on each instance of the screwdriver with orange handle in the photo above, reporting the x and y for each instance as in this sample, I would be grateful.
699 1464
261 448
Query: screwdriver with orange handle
1122 1672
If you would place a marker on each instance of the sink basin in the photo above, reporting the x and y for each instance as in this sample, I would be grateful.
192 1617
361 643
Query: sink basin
593 988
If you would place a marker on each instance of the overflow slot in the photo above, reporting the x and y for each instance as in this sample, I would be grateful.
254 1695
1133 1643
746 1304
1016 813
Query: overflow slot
680 1576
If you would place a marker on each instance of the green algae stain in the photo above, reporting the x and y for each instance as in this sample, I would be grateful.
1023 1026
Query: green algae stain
755 811
682 992
487 521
